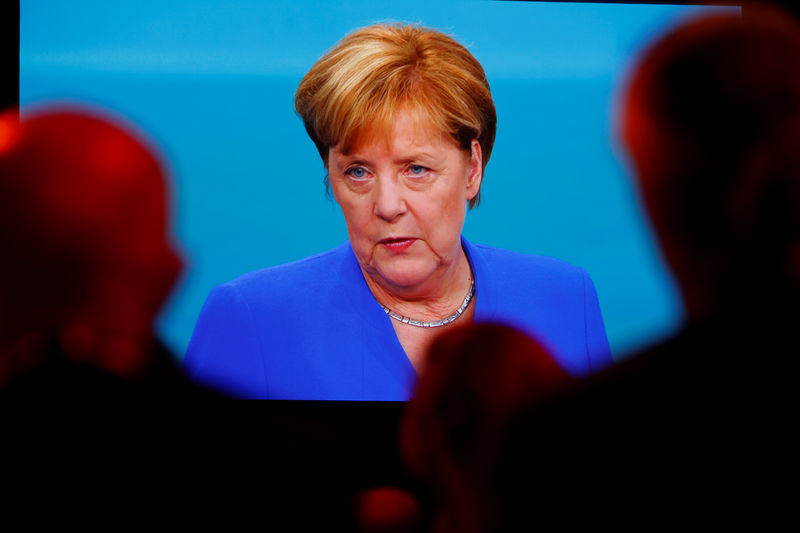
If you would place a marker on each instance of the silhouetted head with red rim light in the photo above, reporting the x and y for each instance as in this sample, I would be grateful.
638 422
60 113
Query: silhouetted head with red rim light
711 119
87 259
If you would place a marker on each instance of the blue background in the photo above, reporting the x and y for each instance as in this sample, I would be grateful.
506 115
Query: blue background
212 83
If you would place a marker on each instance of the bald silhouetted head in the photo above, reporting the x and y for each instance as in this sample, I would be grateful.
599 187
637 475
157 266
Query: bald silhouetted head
84 236
476 384
712 122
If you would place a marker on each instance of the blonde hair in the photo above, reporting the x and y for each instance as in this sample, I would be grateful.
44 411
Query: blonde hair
375 71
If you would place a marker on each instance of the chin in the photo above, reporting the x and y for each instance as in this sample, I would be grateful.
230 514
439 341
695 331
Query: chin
405 273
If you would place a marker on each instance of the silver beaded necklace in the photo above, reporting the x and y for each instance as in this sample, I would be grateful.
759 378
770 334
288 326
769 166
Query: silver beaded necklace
435 323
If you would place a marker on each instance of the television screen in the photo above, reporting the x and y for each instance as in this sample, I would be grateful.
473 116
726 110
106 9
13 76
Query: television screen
212 83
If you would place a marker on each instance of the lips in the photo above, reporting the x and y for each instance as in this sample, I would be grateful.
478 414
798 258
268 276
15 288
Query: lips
397 244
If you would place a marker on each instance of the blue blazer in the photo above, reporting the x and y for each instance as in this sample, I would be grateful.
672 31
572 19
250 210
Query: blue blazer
311 330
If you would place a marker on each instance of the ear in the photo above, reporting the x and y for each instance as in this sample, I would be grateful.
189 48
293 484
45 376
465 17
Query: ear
474 170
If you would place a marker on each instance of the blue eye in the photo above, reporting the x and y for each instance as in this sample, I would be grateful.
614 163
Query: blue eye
356 172
417 170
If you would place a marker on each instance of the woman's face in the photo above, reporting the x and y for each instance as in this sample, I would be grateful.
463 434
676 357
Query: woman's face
404 201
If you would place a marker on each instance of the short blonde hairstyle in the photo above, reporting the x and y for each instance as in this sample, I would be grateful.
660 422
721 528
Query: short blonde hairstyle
375 71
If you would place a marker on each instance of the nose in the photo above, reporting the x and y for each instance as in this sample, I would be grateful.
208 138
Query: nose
390 203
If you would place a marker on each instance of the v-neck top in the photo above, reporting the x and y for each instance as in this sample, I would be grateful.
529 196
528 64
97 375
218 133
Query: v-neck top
312 330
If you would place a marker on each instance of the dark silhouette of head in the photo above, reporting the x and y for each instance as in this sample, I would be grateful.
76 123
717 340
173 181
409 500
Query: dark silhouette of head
87 260
712 122
476 383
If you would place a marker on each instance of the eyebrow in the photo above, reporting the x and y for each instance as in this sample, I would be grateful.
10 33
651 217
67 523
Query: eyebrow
347 161
411 156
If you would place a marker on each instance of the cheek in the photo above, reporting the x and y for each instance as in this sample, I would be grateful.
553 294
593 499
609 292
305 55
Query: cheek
454 218
356 211
444 217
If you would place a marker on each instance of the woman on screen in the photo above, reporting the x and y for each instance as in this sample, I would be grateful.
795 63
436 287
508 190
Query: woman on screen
404 121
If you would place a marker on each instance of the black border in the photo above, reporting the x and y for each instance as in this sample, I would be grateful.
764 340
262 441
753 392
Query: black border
9 54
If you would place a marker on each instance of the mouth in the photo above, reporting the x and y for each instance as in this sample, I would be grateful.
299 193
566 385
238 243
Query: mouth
397 244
